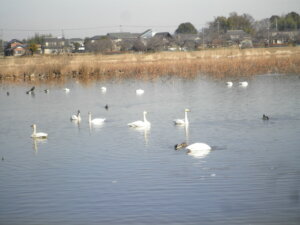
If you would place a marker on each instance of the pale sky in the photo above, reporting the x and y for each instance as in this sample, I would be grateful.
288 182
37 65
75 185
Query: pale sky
86 18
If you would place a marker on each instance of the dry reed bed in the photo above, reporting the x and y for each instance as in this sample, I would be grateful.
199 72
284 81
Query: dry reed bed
217 63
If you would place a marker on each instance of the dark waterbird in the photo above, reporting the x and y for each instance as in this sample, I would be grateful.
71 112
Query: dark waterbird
31 90
7 93
106 107
265 117
179 146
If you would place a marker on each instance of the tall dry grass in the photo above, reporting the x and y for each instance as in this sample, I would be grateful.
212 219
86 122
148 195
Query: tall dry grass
218 63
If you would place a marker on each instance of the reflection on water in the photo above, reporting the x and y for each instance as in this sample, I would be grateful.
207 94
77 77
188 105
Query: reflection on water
199 154
37 142
145 131
114 174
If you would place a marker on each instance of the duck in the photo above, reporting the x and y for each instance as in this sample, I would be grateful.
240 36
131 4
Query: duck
95 121
264 117
67 90
139 91
184 121
229 83
141 124
39 134
106 107
198 150
31 90
243 83
103 89
76 117
7 93
46 90
179 146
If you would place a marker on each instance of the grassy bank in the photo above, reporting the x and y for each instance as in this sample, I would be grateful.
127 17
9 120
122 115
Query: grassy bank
218 63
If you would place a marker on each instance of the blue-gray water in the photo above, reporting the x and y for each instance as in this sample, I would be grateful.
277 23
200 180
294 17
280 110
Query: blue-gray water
114 174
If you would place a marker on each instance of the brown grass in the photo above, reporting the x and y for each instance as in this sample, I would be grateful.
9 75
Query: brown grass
217 63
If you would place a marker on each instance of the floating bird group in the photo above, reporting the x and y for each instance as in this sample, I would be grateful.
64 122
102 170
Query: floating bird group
242 83
196 149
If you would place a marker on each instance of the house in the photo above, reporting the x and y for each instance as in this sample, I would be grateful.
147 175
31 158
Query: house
56 45
117 37
15 48
77 44
187 41
165 36
96 38
236 36
283 37
147 34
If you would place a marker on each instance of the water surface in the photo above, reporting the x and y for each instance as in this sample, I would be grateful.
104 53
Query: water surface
114 174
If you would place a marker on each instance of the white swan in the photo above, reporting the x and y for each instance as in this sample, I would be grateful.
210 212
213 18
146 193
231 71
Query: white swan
67 90
198 150
76 117
243 83
39 134
141 124
103 89
229 84
139 91
96 121
184 121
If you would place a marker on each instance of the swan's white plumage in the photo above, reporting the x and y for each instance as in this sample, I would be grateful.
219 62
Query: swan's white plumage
141 124
243 83
198 150
67 90
198 147
38 134
184 121
103 89
229 84
95 121
139 91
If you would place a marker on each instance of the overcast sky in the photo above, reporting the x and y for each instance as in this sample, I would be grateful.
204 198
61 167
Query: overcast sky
86 18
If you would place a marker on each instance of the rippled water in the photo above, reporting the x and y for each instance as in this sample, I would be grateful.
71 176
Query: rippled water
114 174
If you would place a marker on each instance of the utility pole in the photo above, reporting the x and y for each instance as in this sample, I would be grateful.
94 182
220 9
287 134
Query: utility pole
269 34
2 41
218 22
203 38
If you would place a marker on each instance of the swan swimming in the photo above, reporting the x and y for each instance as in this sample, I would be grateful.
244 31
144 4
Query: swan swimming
103 89
141 124
67 90
76 117
184 121
229 84
243 83
96 121
39 134
198 150
139 91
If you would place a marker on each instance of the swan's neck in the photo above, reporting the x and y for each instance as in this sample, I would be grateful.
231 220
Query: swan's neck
145 119
34 129
185 117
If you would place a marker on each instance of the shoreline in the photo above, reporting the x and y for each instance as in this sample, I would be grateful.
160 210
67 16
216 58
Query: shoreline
217 63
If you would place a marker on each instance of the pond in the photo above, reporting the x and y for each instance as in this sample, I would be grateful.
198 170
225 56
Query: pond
115 174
